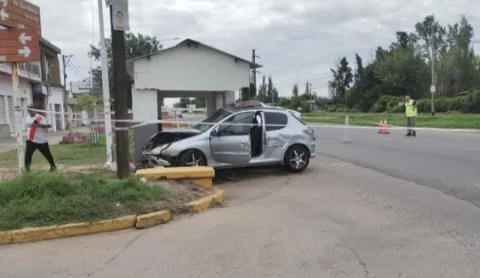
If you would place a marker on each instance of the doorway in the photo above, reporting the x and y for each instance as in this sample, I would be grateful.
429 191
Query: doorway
256 134
58 116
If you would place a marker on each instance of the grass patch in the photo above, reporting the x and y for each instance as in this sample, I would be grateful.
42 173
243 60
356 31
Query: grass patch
446 120
65 154
41 199
68 154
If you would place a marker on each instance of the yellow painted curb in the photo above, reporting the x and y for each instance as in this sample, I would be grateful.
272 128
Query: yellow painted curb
131 221
153 219
68 230
199 175
207 202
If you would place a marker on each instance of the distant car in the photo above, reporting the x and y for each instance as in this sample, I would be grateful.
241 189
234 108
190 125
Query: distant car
236 137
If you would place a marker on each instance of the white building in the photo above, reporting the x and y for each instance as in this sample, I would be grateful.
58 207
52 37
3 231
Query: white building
189 69
7 105
87 86
55 104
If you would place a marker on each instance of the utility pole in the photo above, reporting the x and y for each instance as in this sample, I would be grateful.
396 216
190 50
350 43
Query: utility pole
254 73
432 59
65 61
105 90
120 92
298 77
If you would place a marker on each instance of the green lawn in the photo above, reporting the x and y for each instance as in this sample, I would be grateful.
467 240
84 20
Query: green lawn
40 199
64 154
453 120
74 154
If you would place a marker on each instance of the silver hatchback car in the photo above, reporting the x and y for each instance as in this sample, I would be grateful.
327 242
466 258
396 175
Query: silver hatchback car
236 136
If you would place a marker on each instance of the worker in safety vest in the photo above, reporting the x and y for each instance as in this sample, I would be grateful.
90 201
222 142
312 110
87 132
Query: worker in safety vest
410 114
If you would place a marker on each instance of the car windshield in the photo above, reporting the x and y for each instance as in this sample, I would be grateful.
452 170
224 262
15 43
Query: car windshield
215 118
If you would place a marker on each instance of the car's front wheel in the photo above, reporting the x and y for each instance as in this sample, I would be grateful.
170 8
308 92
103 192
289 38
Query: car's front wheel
192 158
297 158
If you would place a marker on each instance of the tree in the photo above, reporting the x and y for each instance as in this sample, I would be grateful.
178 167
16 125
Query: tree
295 90
135 45
405 67
262 91
272 94
359 69
342 78
88 103
199 102
185 101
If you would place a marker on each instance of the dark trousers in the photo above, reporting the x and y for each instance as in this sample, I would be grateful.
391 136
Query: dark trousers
411 125
44 149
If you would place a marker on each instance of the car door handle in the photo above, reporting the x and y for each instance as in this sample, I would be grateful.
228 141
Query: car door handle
244 144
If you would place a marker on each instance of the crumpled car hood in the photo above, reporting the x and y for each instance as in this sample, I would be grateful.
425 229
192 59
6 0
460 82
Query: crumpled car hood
169 136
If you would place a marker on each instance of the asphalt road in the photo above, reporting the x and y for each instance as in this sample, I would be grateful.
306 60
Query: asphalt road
334 220
447 161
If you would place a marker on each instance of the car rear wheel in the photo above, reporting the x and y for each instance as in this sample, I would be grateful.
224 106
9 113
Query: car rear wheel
297 158
192 158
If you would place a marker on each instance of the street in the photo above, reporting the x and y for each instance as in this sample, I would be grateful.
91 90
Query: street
334 220
446 161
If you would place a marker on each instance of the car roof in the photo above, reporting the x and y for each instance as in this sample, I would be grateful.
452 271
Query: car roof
251 105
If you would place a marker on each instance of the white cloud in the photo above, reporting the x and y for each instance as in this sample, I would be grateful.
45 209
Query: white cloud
307 35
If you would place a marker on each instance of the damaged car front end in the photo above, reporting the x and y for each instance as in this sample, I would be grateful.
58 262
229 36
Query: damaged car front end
153 151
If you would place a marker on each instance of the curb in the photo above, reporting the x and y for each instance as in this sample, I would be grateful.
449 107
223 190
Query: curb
207 202
68 230
153 219
131 221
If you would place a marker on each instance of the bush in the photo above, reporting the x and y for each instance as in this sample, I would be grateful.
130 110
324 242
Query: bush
39 199
380 105
467 103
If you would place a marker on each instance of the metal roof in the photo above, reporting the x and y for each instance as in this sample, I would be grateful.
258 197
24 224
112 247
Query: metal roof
44 42
190 41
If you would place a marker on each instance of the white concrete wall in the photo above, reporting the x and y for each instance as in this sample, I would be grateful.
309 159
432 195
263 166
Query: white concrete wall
8 106
5 68
55 97
144 105
191 69
229 97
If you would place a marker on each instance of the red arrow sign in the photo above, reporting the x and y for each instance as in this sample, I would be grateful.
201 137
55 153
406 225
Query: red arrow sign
19 45
19 14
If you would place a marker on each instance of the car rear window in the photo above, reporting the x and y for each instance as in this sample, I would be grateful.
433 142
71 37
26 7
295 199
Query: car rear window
298 119
275 120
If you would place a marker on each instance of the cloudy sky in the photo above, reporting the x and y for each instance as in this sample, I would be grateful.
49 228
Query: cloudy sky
304 37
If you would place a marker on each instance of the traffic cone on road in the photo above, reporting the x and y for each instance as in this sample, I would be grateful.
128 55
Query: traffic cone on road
383 127
380 127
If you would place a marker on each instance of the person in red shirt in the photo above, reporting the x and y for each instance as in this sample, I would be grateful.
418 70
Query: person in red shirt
37 139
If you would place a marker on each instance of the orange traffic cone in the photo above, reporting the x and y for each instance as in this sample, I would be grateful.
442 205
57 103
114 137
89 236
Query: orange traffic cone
383 127
380 127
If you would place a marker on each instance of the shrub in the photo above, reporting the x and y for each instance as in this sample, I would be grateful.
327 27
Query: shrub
467 103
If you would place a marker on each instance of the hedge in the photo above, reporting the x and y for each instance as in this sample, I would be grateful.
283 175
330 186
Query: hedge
467 103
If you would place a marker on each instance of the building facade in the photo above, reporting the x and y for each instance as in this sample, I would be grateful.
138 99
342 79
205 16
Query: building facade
52 85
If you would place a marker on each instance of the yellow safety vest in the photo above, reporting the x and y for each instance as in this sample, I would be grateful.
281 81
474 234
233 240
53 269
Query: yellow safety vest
410 109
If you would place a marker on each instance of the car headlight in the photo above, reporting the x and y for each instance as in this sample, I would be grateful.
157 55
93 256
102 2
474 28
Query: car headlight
159 149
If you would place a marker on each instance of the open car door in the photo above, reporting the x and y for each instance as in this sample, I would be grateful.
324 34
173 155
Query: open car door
230 141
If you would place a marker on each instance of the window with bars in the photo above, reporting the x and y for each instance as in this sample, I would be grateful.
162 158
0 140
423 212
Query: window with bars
11 110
